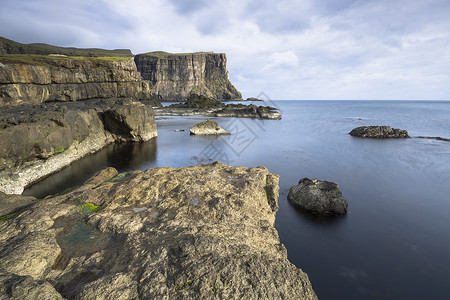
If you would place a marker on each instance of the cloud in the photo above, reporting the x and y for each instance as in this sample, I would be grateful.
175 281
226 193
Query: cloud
291 49
284 60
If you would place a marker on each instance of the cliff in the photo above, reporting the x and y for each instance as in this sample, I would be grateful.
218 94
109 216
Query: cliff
38 140
26 78
174 76
202 232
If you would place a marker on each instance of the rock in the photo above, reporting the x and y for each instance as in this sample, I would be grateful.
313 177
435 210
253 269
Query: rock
40 78
36 141
208 127
12 203
179 130
379 132
316 196
200 232
131 122
229 110
253 99
175 76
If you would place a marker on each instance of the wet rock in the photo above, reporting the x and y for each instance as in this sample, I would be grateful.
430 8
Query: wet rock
379 132
316 196
207 232
208 127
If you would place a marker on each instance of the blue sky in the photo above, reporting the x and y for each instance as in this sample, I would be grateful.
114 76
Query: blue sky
314 49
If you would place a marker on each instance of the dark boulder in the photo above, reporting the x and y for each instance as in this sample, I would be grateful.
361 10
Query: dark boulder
320 197
381 132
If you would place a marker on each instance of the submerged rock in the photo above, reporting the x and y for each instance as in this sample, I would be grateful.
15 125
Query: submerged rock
379 132
321 197
208 127
206 232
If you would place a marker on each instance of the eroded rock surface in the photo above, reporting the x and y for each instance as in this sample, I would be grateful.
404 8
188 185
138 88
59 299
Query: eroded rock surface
37 140
201 232
208 127
379 132
316 196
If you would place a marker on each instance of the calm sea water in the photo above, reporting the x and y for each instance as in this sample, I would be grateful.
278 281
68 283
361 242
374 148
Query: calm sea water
394 243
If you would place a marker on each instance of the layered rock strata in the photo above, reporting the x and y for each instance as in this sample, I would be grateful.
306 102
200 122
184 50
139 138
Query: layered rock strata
37 140
33 79
201 232
319 197
379 132
175 76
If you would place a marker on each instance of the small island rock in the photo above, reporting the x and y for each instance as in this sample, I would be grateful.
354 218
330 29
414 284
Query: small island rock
316 196
207 127
381 132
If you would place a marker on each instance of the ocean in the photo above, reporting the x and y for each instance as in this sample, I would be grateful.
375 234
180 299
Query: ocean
394 243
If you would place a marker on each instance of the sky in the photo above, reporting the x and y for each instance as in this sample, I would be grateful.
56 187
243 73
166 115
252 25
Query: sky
288 49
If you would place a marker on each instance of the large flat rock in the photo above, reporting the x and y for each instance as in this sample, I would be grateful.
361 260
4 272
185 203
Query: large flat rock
200 232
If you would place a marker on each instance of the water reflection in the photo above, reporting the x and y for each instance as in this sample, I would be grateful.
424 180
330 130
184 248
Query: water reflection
123 157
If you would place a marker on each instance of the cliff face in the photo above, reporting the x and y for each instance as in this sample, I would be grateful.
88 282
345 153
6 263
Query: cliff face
175 76
37 78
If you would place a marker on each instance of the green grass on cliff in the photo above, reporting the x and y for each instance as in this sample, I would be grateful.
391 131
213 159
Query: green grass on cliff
162 54
37 58
12 47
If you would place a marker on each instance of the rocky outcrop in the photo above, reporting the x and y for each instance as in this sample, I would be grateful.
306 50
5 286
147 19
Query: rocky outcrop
33 79
201 232
36 141
229 110
316 196
382 132
208 127
175 76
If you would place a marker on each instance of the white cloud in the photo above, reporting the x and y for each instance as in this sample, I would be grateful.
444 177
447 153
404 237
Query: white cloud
291 49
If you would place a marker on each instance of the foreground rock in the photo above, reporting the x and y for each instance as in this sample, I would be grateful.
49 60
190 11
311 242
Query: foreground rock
208 127
37 140
201 232
316 196
379 132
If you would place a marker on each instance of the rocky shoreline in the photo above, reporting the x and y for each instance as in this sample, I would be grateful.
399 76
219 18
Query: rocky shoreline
230 110
199 232
38 140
